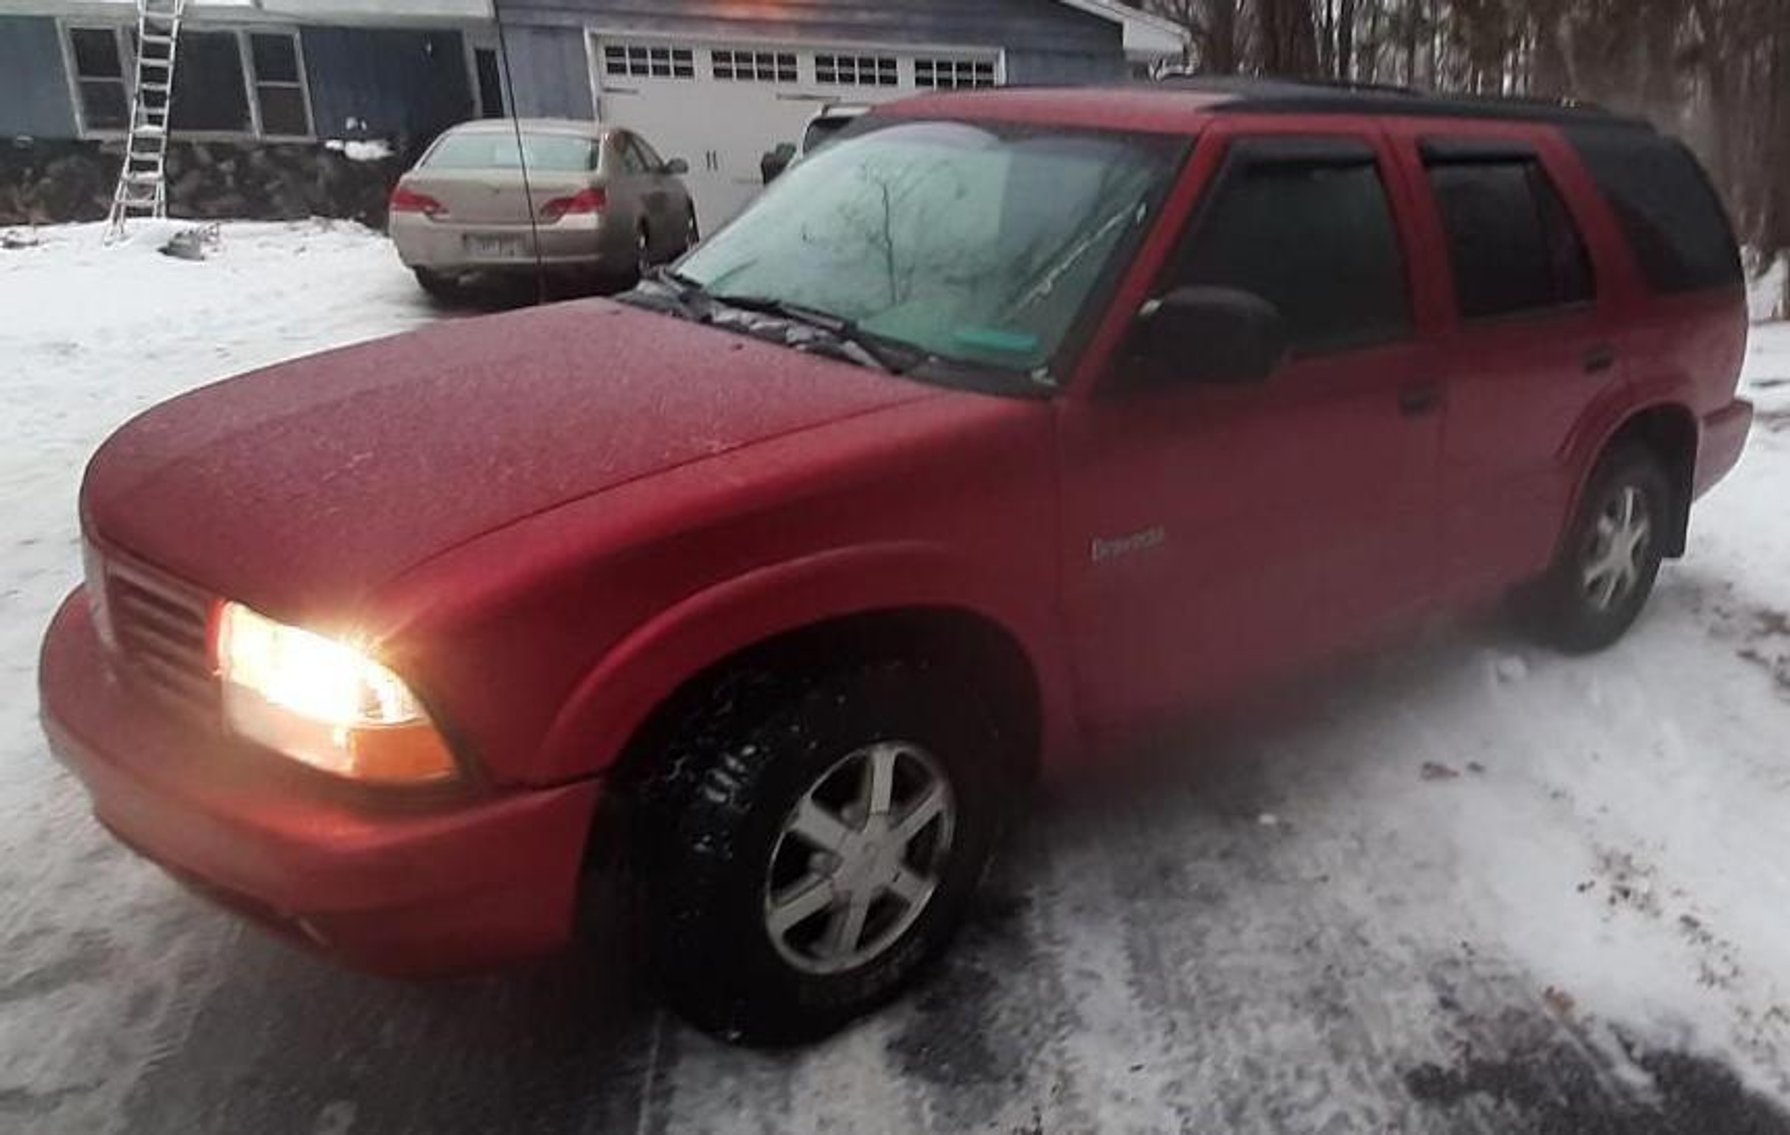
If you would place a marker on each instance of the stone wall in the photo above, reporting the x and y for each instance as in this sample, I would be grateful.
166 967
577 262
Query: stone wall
46 182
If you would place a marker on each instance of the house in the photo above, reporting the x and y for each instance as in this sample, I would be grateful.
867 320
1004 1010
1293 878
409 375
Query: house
269 94
719 82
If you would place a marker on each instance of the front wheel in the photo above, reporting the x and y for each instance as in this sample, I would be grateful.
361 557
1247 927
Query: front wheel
1607 566
823 848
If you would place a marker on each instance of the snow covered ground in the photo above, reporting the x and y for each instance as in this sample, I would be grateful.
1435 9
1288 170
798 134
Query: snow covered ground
1463 885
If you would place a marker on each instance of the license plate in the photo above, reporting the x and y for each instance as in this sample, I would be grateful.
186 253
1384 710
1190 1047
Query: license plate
495 247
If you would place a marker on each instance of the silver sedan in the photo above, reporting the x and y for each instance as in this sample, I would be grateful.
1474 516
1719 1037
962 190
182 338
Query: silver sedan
598 201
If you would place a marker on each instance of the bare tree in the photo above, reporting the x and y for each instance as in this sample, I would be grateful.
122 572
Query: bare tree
1716 72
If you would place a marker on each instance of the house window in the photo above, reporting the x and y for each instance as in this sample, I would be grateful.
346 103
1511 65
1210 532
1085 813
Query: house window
643 61
856 70
755 66
225 82
210 93
279 85
96 57
228 82
953 74
490 77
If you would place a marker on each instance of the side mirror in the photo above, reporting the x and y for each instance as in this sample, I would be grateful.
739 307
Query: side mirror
1219 336
676 167
774 162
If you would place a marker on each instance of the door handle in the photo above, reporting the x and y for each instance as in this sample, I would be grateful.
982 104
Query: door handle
1600 359
1418 399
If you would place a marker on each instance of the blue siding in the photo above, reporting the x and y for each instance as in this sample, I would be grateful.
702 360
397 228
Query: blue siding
550 70
407 85
34 99
1018 25
1029 68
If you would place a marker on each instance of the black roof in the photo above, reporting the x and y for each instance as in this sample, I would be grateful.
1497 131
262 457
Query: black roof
1303 96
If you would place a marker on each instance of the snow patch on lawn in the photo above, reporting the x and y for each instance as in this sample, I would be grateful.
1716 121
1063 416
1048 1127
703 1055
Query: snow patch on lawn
99 951
1766 292
359 149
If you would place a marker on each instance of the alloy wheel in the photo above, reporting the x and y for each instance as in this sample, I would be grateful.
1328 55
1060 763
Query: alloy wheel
1617 548
859 858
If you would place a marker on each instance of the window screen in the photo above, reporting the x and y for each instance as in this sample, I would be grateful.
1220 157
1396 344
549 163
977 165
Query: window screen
209 93
954 74
279 85
1512 243
99 78
1666 207
754 66
649 61
490 82
857 70
1314 238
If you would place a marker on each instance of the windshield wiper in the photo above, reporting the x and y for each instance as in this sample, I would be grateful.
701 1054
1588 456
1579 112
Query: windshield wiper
683 292
854 343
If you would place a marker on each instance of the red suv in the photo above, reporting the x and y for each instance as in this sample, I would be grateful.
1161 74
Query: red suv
1001 429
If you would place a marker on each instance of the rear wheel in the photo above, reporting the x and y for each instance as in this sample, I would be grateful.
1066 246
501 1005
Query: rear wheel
441 287
818 846
643 254
1611 557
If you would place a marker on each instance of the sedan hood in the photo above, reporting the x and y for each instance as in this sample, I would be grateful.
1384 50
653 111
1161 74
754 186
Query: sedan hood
309 483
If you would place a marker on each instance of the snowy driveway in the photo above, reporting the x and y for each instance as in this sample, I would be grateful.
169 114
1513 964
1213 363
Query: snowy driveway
1464 886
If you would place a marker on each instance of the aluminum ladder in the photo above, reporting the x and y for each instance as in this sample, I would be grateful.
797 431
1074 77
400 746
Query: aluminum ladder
142 182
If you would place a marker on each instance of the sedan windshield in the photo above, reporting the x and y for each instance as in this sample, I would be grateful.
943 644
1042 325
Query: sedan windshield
969 243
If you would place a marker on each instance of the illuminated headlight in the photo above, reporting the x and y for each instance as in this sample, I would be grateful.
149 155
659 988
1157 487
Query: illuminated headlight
324 702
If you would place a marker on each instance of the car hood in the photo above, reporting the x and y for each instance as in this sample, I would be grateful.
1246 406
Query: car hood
307 484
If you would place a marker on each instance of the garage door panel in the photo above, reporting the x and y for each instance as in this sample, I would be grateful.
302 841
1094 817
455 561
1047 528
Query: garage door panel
721 105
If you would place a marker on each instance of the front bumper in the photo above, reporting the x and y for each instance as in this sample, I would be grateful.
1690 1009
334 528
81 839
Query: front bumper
1724 438
454 886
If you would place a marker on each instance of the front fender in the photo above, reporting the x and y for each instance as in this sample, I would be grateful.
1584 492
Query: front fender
614 700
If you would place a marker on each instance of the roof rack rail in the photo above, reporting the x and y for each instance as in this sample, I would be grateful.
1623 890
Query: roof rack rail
1272 84
1274 94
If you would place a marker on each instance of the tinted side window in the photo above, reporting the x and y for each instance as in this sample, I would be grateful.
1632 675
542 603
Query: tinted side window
1671 215
1313 237
624 149
1511 241
647 156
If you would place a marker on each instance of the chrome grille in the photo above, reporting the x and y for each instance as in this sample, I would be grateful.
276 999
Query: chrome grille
162 631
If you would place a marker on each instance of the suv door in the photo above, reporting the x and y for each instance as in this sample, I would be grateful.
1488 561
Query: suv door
1215 533
1528 347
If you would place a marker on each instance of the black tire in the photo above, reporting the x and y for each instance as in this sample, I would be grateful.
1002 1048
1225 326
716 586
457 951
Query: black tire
712 841
441 288
643 255
1569 608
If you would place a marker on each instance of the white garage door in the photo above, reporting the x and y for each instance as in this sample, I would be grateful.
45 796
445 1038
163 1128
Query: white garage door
720 106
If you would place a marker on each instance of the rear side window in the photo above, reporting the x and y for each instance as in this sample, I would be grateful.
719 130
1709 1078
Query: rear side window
1666 207
629 155
1512 243
1312 234
649 157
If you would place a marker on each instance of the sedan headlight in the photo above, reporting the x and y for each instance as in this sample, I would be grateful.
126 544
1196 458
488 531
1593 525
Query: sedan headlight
324 702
